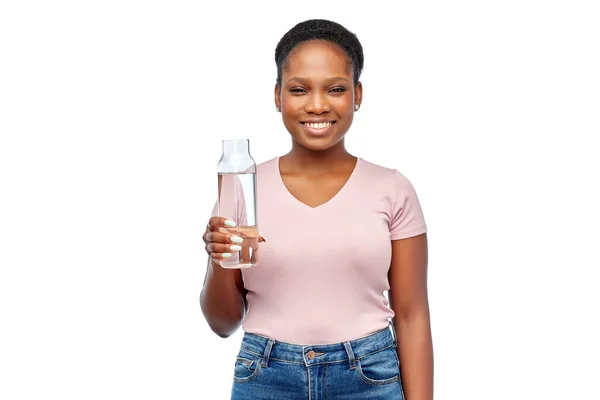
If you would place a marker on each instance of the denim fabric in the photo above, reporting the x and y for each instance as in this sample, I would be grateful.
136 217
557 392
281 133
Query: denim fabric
362 369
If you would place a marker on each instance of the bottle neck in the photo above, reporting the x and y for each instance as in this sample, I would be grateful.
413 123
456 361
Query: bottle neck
236 157
239 146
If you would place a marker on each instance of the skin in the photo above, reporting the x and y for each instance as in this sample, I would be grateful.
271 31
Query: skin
223 297
317 82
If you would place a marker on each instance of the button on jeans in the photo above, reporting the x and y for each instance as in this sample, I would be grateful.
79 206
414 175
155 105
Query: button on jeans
361 369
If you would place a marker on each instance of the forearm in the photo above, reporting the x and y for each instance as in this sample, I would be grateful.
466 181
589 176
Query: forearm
221 300
415 351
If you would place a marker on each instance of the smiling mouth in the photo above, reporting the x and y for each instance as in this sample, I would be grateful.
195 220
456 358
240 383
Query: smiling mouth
318 126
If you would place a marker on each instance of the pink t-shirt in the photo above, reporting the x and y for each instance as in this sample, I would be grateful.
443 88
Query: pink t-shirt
323 271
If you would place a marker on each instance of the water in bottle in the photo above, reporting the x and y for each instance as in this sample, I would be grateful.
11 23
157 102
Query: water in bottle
237 201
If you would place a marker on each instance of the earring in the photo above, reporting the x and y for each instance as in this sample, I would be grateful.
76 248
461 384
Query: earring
278 109
356 107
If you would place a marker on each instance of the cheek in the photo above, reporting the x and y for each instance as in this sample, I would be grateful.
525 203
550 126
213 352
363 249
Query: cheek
293 103
343 104
344 108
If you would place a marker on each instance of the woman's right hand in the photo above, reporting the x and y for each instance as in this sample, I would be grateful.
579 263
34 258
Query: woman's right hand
220 244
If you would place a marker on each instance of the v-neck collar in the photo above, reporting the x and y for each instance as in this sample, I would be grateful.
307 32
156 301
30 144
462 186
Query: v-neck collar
332 200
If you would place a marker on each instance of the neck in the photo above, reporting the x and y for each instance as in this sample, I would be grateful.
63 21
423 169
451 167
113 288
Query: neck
317 161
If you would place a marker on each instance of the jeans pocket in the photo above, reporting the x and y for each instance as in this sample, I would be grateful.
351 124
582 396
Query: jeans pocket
247 367
380 368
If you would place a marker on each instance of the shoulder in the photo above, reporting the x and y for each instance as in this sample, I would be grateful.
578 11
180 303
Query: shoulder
402 206
267 173
267 165
265 170
387 175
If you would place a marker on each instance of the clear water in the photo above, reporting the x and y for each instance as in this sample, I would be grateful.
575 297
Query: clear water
237 200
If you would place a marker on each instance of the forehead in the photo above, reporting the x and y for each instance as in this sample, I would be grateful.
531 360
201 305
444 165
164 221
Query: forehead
318 57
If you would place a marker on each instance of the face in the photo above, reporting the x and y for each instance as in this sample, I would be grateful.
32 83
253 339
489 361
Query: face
317 95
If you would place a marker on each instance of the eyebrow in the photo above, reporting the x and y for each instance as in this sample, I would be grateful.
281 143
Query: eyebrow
329 80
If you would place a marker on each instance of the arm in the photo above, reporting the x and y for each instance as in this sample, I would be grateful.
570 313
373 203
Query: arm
223 297
408 299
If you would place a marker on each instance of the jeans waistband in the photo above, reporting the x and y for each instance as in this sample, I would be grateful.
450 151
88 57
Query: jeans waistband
349 351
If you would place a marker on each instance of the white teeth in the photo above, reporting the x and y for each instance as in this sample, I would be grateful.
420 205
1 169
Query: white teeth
320 125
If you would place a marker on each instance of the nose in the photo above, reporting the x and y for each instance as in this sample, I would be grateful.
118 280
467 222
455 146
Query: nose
317 103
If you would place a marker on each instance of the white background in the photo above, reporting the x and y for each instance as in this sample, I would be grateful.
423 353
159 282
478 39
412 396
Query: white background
111 120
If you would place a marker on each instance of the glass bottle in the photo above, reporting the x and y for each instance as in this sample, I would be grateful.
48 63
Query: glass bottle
237 201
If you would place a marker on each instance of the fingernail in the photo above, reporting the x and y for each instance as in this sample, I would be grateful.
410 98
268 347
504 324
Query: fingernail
229 222
236 239
226 255
235 247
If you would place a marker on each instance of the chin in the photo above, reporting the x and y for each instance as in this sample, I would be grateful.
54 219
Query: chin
316 144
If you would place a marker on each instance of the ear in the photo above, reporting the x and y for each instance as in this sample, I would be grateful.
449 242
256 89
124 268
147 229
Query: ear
277 96
358 93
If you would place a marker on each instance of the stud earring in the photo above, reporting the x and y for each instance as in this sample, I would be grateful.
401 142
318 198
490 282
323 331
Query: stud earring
356 107
278 109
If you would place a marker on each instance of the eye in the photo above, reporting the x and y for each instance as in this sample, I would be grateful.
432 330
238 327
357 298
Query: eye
338 90
297 90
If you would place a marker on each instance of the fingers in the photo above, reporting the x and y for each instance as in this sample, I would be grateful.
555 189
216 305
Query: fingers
222 251
218 225
222 248
220 243
220 222
220 237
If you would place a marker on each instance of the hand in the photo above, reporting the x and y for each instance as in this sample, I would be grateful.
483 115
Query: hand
220 243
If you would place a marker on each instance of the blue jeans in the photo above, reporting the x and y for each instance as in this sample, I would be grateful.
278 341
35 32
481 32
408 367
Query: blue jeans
365 368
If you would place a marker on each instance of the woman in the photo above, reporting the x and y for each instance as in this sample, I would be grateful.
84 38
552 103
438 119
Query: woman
339 231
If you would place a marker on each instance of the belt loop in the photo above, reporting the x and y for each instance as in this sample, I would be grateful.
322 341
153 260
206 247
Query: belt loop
265 361
351 358
394 333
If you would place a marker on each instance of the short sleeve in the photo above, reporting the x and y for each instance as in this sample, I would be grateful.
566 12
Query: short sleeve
407 218
233 204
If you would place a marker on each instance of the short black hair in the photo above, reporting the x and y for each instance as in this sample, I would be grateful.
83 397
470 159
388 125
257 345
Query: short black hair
320 29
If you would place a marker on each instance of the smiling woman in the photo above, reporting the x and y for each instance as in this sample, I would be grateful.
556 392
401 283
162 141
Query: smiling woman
340 231
317 92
